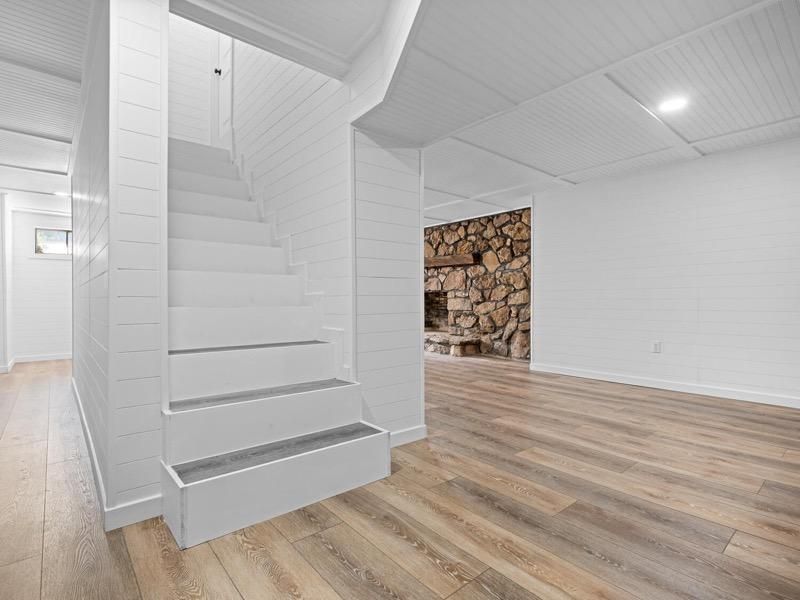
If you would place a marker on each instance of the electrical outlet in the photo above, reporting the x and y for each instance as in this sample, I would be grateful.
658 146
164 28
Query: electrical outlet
656 348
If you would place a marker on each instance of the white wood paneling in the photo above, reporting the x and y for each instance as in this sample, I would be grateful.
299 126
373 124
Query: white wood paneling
90 269
37 103
755 137
136 134
701 256
389 284
325 36
736 76
472 58
577 127
192 56
41 298
45 35
292 134
467 170
32 152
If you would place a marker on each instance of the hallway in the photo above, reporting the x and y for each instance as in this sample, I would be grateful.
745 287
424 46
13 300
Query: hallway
530 486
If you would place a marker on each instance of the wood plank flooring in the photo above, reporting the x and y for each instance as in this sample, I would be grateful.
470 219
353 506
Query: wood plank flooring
528 487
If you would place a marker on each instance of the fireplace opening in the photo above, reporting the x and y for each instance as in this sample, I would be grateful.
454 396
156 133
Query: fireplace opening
436 311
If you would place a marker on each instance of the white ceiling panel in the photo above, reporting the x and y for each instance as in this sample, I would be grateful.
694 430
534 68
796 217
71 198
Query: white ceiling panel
652 159
523 48
738 75
763 135
580 126
519 49
31 152
45 35
461 168
37 103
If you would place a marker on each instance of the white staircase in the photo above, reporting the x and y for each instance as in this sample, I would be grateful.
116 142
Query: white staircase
258 422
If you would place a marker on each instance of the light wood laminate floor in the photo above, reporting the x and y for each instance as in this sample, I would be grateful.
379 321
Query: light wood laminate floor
529 486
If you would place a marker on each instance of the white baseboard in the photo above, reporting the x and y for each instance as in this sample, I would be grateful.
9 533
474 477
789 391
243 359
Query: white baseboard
132 512
124 514
406 436
7 368
676 386
40 357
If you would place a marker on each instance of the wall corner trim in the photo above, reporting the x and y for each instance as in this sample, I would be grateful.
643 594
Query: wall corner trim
676 386
124 514
408 435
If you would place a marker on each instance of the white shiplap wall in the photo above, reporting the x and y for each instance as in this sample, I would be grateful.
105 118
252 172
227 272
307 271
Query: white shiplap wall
90 194
703 256
192 51
138 121
42 298
292 132
296 144
388 224
119 190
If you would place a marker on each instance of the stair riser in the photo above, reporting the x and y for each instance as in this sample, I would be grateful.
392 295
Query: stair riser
212 206
208 165
224 372
191 327
195 288
204 432
208 184
197 151
198 255
215 229
202 511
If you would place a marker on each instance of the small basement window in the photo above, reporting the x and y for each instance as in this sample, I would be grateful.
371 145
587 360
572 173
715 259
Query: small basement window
53 241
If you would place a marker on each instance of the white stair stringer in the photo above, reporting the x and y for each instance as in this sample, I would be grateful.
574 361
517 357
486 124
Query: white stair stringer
262 417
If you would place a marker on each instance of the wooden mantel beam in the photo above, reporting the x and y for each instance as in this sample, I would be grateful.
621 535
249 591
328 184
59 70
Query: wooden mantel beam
453 260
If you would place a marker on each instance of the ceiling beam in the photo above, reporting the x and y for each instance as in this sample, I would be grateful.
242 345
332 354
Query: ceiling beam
229 19
615 65
755 128
49 138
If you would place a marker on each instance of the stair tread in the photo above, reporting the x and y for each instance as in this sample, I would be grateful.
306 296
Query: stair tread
246 347
263 393
205 468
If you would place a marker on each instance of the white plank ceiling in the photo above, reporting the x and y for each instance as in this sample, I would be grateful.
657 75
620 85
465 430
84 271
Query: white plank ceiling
571 90
41 51
324 35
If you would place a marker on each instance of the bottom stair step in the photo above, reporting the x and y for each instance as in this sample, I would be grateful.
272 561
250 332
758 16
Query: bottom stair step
210 497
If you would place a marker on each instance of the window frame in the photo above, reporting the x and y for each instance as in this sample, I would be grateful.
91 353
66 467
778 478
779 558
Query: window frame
50 255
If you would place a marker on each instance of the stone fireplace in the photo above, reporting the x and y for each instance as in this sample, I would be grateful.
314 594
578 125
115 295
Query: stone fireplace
488 306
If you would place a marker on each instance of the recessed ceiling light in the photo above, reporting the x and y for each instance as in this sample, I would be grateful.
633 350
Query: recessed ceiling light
673 104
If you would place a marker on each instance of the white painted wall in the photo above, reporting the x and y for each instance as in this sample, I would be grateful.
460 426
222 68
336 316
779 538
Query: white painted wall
90 185
119 201
295 142
292 131
388 217
193 51
703 256
40 319
137 260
